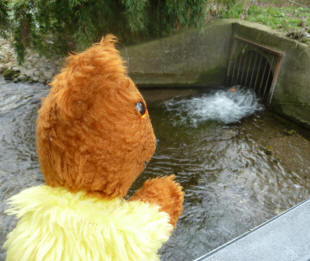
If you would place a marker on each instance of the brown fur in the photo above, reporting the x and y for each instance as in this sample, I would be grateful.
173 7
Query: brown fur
164 192
90 135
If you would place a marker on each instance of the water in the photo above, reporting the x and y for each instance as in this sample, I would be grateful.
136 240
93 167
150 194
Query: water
236 172
235 176
226 106
19 166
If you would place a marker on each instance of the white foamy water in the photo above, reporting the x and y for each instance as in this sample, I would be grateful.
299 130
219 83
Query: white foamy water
226 106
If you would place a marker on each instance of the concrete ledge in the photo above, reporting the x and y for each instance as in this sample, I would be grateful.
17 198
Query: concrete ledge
285 238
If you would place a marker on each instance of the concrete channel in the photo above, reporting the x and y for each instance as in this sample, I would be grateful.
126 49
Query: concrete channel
200 58
284 238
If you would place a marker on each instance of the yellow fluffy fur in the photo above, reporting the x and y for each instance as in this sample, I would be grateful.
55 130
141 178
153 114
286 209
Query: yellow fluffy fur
55 224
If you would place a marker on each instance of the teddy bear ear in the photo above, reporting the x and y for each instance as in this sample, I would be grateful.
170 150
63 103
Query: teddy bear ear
96 67
109 40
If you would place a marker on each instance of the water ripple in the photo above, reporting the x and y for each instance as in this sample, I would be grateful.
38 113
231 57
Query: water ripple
231 184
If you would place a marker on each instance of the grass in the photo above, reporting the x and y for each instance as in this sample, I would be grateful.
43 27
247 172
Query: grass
291 17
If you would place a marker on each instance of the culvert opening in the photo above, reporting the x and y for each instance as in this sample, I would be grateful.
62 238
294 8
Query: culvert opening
253 66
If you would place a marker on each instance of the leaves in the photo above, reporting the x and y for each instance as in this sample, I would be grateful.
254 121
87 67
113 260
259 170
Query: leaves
56 27
135 13
3 16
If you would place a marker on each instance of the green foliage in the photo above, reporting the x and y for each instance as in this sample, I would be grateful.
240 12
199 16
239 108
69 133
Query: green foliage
227 3
3 17
60 26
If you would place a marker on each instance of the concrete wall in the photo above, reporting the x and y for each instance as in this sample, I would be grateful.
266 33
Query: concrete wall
192 58
292 91
200 57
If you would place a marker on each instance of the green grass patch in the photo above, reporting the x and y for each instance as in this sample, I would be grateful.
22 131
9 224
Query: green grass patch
288 18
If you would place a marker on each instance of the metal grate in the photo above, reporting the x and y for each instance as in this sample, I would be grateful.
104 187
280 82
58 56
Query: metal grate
254 66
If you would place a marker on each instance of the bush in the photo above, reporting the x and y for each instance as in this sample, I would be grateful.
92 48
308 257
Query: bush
56 27
3 17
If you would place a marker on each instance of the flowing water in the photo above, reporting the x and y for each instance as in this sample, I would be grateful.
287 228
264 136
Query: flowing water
238 163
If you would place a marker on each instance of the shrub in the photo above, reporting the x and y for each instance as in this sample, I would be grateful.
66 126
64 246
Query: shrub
3 16
60 26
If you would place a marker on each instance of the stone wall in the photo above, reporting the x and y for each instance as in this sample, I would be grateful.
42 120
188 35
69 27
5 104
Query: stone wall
35 68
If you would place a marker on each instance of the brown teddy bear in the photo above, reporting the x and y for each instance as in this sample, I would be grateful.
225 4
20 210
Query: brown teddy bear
94 138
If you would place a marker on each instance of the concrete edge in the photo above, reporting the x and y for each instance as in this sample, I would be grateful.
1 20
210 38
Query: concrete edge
201 258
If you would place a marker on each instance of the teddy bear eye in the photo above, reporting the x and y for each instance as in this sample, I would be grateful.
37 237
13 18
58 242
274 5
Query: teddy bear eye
140 106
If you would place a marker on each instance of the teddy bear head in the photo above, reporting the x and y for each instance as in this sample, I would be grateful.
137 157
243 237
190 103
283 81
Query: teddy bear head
93 129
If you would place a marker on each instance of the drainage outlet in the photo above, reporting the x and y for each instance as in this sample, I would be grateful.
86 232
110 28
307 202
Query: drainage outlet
253 66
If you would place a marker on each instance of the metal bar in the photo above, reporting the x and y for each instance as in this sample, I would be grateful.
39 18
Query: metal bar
245 58
267 81
272 51
243 70
249 65
245 62
240 61
251 70
230 63
274 80
258 71
255 63
234 70
231 82
263 76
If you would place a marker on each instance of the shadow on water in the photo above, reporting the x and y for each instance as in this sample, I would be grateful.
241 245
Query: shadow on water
235 176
